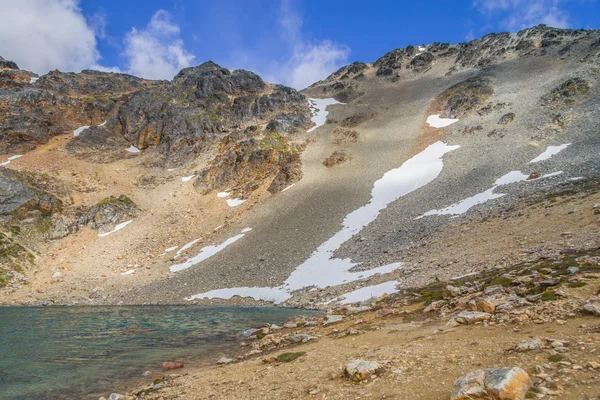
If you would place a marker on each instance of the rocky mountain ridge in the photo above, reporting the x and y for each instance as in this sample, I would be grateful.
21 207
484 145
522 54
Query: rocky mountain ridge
240 142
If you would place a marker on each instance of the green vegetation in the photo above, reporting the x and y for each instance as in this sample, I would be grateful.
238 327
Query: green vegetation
556 357
432 294
289 357
549 295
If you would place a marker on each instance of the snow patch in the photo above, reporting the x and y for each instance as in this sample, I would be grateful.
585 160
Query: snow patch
550 151
11 158
246 230
133 149
117 228
104 123
33 79
206 252
131 271
465 205
319 109
367 293
187 246
289 187
170 249
222 195
321 269
437 122
235 202
187 178
77 131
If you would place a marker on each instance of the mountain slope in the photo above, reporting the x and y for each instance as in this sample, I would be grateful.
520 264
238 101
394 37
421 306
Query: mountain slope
504 100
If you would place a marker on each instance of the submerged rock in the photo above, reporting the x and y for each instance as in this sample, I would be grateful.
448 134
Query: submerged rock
168 365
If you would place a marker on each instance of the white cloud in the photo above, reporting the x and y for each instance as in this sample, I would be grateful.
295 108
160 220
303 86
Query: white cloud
308 62
518 14
41 35
157 51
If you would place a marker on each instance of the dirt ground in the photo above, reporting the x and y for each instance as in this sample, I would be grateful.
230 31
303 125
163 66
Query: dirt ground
422 356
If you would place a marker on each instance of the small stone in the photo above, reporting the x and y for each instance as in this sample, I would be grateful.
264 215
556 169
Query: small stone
384 312
495 289
301 338
593 365
360 370
527 345
117 396
561 349
572 270
332 319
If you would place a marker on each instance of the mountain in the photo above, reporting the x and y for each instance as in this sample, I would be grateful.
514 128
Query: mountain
432 162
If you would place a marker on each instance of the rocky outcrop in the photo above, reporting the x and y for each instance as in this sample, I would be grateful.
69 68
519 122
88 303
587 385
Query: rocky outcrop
203 104
464 97
5 64
99 145
245 160
568 92
490 50
19 198
34 110
110 210
337 157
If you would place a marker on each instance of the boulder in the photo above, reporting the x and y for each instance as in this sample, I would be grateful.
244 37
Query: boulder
224 361
360 370
486 304
117 396
527 345
492 383
593 306
471 317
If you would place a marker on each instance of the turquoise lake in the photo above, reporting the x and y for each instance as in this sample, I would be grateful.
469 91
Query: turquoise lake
88 352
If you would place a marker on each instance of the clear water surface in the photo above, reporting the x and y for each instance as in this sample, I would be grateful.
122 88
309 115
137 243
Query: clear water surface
88 352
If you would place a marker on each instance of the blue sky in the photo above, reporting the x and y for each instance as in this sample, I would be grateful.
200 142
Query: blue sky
294 42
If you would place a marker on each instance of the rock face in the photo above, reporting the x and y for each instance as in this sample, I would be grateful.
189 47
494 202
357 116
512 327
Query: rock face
567 92
99 145
18 197
245 160
32 111
111 210
5 64
492 383
184 117
464 97
360 370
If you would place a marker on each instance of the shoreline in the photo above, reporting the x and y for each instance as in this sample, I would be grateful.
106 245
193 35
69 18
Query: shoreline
405 332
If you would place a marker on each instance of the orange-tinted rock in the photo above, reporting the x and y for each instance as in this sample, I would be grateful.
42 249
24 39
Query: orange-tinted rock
168 365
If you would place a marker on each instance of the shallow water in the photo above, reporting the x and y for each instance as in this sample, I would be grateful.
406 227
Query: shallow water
88 352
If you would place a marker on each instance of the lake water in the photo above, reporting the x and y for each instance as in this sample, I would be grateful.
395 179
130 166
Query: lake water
88 352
